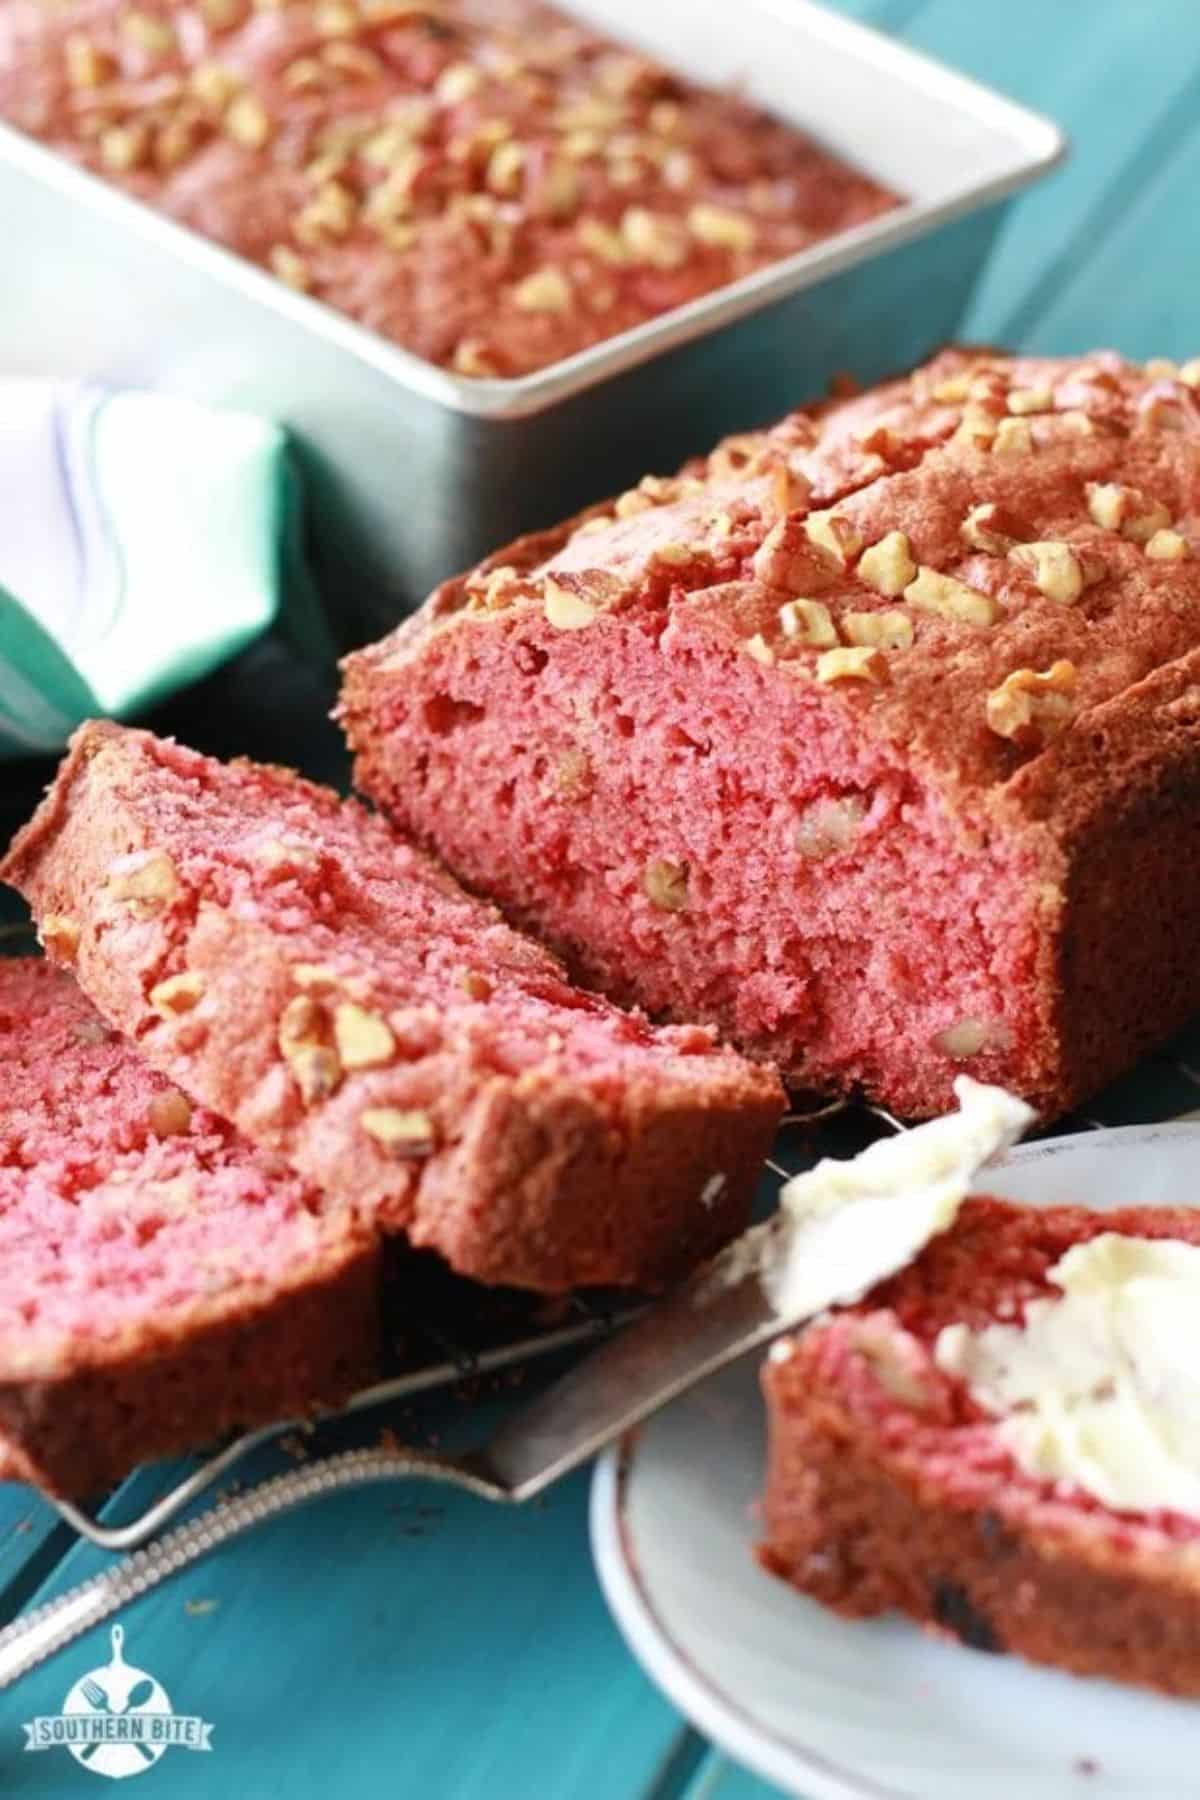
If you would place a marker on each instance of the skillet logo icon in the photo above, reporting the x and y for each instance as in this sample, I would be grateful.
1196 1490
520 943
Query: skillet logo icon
117 1721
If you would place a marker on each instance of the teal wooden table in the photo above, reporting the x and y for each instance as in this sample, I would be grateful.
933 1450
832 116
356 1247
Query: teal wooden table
406 1642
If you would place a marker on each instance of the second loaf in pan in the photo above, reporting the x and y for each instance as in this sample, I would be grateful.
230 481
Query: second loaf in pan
295 966
873 738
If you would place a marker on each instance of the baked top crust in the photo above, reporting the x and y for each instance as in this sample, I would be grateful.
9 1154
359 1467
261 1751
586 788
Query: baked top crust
487 182
982 562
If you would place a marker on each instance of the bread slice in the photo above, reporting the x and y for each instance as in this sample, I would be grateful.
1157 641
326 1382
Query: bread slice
889 1488
161 1281
290 962
873 739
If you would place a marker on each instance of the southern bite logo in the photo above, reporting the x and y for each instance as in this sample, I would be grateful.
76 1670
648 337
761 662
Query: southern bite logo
117 1720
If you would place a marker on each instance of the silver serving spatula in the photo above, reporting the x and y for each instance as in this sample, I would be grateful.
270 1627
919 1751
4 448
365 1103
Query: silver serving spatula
864 1220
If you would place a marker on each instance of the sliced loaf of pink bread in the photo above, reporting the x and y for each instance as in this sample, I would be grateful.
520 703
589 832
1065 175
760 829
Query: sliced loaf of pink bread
162 1281
295 965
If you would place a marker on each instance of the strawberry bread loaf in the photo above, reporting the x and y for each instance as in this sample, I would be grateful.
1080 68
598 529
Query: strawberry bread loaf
872 738
1002 1443
291 963
487 182
162 1281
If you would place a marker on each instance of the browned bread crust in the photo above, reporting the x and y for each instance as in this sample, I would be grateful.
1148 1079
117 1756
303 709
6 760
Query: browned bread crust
1037 693
167 1391
567 1144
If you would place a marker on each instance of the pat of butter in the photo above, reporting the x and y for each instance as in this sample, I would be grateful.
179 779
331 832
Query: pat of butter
1100 1387
845 1226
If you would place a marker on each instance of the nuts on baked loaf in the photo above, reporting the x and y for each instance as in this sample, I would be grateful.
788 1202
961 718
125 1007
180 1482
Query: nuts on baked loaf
289 961
494 186
909 684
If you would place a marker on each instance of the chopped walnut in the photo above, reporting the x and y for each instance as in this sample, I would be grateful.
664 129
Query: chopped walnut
1189 373
223 15
1054 567
59 936
1029 706
316 978
789 490
966 1038
808 622
976 427
170 1114
154 35
1162 412
863 663
546 290
573 774
147 886
124 147
87 65
213 84
475 984
178 994
829 825
720 228
603 242
399 1132
330 213
363 1039
304 1044
895 1362
1167 546
354 60
953 390
984 529
786 559
1142 526
505 169
888 566
175 141
654 238
290 266
1127 510
1031 400
887 630
565 610
758 647
834 534
1013 438
461 81
934 592
471 357
665 884
248 122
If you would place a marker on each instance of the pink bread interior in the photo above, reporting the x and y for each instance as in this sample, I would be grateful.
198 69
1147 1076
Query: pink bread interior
291 962
127 1213
625 732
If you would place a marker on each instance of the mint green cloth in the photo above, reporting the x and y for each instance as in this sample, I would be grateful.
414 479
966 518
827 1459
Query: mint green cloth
144 540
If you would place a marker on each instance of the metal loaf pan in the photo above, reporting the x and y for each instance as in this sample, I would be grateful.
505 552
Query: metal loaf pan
413 472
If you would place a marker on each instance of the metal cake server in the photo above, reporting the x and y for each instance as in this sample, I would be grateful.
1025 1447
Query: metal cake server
718 1314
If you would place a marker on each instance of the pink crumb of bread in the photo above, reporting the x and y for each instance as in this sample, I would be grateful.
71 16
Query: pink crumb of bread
291 962
871 738
888 1488
162 1280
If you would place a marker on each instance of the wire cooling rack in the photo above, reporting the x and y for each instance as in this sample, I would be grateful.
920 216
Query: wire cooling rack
459 1335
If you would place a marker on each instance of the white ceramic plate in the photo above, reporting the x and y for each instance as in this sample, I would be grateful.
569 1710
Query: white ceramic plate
870 1711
